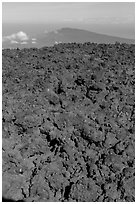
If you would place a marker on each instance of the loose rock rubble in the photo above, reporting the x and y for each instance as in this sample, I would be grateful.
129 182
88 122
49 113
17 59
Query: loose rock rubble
69 123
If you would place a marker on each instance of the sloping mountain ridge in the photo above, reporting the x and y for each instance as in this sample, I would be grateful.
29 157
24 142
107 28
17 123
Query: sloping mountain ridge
67 35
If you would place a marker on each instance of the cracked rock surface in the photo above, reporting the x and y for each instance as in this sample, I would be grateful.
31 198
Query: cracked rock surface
69 123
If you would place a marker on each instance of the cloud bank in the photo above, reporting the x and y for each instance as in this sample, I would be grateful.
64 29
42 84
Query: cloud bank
20 36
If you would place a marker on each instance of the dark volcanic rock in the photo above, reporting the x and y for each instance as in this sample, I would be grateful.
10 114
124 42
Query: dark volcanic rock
69 123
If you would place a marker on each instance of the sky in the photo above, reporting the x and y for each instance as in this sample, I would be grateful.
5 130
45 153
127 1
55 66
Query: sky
117 18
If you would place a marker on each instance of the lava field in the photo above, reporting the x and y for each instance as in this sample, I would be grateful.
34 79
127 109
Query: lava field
68 123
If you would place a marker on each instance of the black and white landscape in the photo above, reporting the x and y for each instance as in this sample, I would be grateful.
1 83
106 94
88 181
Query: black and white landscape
68 102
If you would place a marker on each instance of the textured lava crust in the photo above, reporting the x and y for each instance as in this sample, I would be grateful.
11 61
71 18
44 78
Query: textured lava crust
69 123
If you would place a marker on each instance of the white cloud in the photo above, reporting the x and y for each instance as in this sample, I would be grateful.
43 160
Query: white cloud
33 42
34 39
21 36
14 42
23 43
56 42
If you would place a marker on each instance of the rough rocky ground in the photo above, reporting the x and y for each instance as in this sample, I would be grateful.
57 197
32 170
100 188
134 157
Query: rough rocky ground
69 123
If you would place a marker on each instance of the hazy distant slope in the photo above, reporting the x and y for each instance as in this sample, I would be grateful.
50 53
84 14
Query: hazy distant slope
66 35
